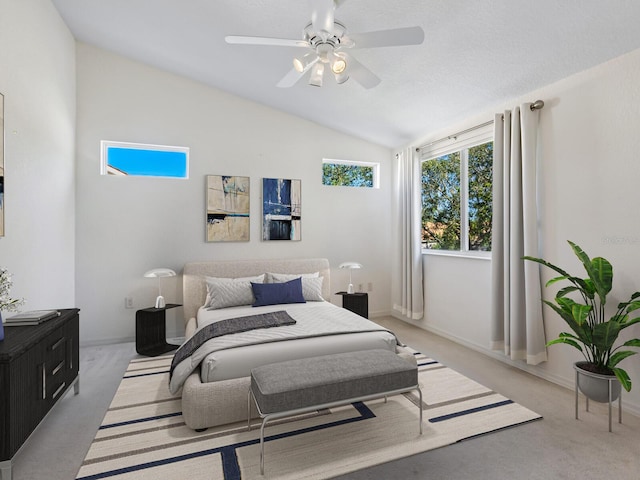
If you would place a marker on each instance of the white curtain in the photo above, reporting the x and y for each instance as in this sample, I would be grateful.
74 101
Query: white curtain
408 294
517 323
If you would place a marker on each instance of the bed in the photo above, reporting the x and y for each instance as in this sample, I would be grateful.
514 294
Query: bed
215 393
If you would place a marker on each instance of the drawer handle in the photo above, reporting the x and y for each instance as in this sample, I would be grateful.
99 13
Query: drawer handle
70 350
57 344
58 367
44 381
60 389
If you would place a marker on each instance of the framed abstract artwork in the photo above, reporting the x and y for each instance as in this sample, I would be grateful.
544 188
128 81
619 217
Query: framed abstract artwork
281 209
1 165
227 209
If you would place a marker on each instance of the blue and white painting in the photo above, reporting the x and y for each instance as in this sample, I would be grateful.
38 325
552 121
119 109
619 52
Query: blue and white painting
281 209
227 208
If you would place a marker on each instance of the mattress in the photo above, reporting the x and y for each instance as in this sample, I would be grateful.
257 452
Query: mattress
319 319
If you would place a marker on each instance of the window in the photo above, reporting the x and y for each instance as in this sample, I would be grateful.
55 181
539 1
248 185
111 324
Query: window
457 194
137 159
347 173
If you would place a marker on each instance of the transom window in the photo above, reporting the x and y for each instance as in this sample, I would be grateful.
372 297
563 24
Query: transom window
347 173
138 159
457 195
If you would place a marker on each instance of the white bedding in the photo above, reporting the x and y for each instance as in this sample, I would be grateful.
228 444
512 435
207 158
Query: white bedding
311 318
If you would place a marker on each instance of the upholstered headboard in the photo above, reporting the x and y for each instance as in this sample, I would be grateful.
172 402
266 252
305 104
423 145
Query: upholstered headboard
195 290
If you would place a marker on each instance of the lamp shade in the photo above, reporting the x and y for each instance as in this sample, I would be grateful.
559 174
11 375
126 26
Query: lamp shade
160 272
350 265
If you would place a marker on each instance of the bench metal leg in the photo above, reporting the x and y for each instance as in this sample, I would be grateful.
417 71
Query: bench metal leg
420 407
264 422
249 409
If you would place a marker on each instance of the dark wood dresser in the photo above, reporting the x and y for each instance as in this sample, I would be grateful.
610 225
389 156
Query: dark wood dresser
38 364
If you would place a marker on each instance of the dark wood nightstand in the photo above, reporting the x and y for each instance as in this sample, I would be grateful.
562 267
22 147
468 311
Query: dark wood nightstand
356 302
151 331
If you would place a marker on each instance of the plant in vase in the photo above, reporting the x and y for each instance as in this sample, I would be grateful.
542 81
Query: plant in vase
6 302
594 333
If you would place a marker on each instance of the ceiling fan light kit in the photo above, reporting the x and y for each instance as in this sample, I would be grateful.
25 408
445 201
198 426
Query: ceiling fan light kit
304 63
327 39
317 74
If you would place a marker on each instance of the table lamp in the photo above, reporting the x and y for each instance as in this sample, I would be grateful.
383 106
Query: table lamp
350 266
159 273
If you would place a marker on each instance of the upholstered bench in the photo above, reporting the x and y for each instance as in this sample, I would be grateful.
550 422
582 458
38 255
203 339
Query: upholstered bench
299 386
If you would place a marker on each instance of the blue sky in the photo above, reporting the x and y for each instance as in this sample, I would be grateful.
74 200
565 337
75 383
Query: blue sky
158 163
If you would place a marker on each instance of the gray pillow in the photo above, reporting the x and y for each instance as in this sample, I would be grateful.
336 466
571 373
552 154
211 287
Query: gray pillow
230 292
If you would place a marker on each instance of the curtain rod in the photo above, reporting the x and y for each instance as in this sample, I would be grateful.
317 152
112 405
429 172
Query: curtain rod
537 105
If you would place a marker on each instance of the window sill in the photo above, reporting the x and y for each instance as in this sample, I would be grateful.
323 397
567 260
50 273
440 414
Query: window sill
451 253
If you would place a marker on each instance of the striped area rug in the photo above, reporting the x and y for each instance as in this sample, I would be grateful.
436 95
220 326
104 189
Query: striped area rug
144 437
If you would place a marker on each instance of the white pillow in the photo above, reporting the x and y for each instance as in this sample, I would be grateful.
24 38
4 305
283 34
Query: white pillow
311 284
230 292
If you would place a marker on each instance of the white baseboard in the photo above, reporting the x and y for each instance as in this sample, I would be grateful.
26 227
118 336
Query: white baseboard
568 383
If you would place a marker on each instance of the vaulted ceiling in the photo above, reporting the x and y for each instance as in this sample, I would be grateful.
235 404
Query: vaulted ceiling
476 53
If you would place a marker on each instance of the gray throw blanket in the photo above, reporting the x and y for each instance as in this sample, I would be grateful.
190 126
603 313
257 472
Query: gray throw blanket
226 327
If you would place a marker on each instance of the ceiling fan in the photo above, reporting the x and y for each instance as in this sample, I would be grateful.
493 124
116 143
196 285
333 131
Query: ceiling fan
327 42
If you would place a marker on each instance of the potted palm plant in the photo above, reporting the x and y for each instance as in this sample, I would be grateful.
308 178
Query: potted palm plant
594 332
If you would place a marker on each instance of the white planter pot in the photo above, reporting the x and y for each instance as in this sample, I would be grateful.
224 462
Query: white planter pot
595 386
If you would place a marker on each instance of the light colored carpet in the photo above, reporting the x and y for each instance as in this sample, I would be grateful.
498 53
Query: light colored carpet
143 436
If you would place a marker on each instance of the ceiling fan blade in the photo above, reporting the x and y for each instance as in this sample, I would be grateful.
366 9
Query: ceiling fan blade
360 73
322 15
271 42
290 79
388 38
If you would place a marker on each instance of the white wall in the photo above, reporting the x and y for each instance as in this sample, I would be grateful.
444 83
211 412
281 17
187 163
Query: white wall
589 168
37 78
127 225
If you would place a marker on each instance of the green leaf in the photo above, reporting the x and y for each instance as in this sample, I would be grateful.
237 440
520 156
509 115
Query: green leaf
605 335
547 264
618 357
565 340
588 287
599 270
566 290
578 311
623 377
628 323
630 306
568 317
634 342
556 279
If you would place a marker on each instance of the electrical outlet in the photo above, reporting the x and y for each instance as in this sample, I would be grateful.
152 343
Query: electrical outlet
370 287
128 302
360 287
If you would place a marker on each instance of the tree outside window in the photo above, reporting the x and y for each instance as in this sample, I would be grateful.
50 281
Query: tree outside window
457 200
349 174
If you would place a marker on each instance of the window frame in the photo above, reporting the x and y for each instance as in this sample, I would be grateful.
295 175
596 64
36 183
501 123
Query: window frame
459 143
106 144
355 163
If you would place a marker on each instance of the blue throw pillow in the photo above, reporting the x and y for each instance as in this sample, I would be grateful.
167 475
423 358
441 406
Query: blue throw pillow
276 293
